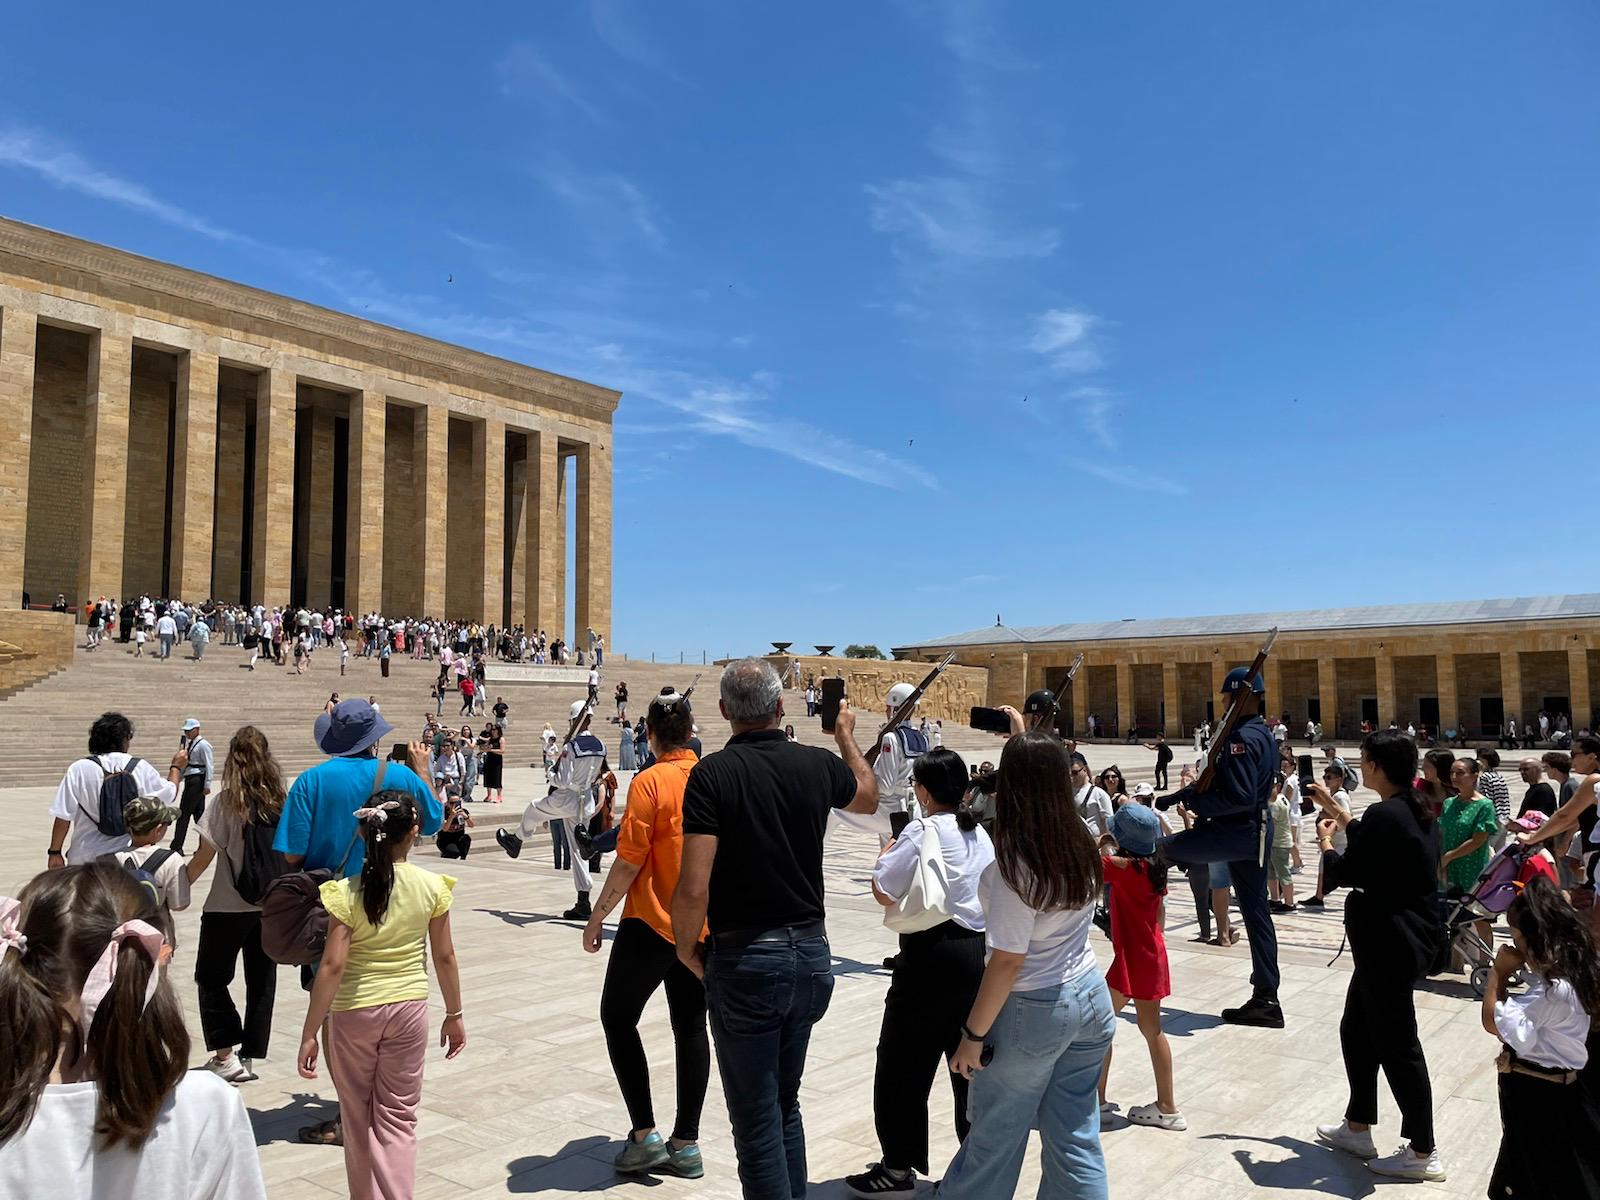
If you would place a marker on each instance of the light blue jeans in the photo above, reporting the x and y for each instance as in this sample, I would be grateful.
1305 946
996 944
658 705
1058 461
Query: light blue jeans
1048 1047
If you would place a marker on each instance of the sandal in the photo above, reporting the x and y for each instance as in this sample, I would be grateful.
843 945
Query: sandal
327 1133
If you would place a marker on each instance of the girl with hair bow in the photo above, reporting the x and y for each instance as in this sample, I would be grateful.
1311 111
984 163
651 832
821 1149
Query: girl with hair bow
96 1098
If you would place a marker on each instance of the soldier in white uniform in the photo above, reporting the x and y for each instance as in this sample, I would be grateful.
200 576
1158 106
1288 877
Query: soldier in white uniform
897 801
569 801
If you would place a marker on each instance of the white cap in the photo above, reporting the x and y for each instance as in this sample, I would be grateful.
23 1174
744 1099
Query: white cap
576 710
899 694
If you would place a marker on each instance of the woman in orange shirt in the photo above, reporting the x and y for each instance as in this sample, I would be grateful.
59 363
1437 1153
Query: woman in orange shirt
643 956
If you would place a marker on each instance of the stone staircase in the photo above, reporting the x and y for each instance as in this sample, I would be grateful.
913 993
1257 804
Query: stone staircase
45 726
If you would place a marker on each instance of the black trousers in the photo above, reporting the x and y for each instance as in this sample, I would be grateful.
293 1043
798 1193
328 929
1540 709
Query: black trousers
936 978
1379 1031
560 850
224 936
191 806
641 961
453 845
1161 777
1200 887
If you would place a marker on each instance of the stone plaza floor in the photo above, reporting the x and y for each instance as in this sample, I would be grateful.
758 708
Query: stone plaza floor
530 1107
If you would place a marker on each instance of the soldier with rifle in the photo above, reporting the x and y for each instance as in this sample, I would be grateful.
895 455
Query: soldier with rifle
899 745
577 766
1230 800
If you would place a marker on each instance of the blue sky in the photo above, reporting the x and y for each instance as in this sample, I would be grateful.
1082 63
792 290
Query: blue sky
924 312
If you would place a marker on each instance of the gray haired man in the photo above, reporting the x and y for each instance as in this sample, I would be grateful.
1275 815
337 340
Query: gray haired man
754 815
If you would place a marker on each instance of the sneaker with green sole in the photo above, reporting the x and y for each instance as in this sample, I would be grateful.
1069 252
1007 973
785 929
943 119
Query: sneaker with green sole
635 1158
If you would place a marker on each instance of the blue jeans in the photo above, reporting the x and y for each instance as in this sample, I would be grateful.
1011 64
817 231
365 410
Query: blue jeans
1238 844
764 998
1048 1049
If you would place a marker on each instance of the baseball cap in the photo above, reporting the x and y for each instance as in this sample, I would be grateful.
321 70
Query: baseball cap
1041 701
191 723
1078 760
1144 789
145 813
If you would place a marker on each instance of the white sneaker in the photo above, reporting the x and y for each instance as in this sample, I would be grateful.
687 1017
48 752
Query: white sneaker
1341 1137
1404 1164
1151 1114
229 1068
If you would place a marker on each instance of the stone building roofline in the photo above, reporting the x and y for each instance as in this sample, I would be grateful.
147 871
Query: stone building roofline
1382 616
121 266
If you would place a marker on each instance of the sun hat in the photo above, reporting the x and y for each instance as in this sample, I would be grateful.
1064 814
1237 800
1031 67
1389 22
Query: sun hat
352 726
1136 828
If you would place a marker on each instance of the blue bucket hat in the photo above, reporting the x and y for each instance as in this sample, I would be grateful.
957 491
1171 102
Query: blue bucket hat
352 726
1136 829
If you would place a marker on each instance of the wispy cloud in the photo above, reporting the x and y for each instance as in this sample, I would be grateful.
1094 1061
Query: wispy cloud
614 26
606 204
1095 415
523 71
31 151
1066 338
950 217
1133 478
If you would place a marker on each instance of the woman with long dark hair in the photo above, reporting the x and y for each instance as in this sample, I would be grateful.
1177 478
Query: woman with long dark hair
936 973
247 808
1040 1027
1392 919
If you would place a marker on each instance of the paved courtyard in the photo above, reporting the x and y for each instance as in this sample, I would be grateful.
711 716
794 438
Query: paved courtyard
530 1107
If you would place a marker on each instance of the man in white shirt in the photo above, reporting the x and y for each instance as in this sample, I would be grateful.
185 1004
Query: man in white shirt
1094 806
167 631
76 807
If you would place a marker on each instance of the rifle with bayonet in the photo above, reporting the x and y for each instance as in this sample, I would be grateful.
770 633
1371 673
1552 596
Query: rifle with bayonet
902 714
1232 718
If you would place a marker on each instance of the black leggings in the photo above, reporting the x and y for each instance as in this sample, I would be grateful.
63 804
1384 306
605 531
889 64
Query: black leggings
1379 1030
224 938
1200 887
1161 777
641 961
936 978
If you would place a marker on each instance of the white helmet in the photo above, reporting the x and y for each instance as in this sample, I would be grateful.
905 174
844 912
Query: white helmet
576 710
898 695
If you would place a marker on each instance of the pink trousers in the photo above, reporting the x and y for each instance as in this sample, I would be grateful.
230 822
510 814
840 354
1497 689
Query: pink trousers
376 1057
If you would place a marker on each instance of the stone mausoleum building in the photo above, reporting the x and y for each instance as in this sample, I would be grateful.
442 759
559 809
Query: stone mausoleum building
1468 665
168 432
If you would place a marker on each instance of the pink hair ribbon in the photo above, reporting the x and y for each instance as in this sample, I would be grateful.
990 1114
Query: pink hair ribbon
11 935
104 972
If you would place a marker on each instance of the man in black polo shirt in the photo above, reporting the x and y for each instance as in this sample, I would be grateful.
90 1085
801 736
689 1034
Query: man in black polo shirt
754 815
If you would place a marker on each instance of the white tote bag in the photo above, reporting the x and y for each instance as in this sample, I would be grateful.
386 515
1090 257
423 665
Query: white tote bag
926 902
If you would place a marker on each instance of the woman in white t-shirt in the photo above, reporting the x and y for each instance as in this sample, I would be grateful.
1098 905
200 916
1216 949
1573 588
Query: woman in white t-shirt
936 973
96 1098
1041 1025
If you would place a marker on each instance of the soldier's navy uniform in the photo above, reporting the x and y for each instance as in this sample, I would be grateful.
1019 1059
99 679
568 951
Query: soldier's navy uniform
1235 827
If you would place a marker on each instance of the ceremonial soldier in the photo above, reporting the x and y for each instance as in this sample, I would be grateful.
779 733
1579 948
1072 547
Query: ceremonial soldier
896 751
573 777
1234 827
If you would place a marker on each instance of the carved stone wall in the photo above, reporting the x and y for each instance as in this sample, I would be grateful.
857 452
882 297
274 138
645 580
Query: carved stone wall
867 681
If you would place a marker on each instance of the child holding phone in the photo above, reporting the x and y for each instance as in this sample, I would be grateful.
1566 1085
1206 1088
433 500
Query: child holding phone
1140 972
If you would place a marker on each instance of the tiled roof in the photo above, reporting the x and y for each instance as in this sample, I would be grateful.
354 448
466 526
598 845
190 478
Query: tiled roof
1460 612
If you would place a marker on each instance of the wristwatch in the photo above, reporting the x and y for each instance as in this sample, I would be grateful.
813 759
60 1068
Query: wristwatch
52 852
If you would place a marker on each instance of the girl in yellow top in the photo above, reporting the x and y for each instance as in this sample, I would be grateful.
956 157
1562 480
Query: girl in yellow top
375 985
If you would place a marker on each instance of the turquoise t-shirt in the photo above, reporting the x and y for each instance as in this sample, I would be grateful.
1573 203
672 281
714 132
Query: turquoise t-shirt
319 813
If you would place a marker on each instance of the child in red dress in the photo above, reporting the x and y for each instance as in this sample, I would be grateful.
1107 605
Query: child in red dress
1139 971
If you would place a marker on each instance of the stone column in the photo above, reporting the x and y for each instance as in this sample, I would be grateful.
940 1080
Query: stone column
1125 713
1511 687
559 617
1383 667
1578 698
541 481
194 476
1444 678
363 569
319 532
594 542
489 482
18 335
271 540
106 455
433 472
1272 679
1173 695
1328 694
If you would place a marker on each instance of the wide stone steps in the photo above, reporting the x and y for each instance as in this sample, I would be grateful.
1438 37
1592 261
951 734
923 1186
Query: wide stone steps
46 725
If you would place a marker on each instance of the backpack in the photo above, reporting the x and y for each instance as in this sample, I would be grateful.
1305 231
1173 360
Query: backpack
294 925
117 790
145 874
259 863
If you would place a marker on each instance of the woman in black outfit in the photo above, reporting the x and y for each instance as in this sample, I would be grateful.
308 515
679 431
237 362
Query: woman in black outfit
1392 922
936 976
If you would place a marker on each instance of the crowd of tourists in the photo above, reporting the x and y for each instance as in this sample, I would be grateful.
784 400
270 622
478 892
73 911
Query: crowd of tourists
992 879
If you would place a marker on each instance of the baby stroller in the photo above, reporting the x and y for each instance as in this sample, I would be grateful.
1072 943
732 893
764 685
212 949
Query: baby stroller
1496 887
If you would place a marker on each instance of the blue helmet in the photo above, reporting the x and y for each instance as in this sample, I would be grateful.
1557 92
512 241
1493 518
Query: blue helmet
1235 679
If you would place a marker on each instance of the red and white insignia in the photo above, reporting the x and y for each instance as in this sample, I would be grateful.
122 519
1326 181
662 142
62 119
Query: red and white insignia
1236 747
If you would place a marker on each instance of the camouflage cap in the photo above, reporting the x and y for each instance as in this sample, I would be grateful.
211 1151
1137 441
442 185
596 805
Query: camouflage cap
147 813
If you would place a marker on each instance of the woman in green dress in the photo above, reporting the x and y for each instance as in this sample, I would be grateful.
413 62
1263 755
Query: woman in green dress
1466 825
